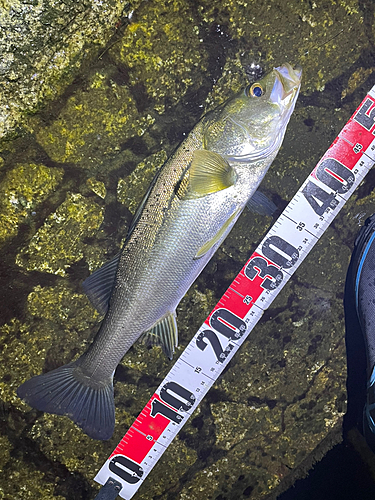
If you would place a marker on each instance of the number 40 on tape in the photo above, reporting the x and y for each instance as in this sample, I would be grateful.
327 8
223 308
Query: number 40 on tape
293 235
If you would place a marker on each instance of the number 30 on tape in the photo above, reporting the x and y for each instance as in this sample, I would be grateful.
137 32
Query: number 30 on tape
293 235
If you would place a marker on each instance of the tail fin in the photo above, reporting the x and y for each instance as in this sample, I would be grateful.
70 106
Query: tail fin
66 391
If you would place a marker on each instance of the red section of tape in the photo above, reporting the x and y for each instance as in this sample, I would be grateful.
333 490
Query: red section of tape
247 287
359 128
142 435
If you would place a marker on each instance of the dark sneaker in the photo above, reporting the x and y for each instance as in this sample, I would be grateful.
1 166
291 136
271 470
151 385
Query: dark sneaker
364 289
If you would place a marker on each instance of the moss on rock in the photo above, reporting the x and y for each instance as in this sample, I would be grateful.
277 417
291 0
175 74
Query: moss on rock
23 355
43 45
61 305
22 190
131 190
59 242
26 481
5 449
97 187
162 52
96 120
57 438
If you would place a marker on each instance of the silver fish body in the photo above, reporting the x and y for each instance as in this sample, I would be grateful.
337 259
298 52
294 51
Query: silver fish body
158 263
190 208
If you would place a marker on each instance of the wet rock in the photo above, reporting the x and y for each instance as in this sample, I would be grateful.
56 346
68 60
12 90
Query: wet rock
57 439
43 45
61 305
24 350
283 394
97 187
131 190
235 422
162 57
5 448
22 190
323 38
179 460
25 480
96 120
59 242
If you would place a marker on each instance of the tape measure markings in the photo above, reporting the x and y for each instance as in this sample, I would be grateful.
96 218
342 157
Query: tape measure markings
282 250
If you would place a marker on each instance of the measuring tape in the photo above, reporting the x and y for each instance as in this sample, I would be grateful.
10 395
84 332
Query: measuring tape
291 238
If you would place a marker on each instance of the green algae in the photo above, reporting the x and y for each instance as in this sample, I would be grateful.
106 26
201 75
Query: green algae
130 191
67 315
25 480
320 411
24 349
231 80
308 33
59 242
22 190
61 305
248 433
43 46
93 124
26 345
162 52
236 421
284 367
58 437
5 449
357 79
95 256
193 308
97 187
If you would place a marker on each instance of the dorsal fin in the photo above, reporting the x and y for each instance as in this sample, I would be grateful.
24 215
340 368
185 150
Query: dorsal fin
99 285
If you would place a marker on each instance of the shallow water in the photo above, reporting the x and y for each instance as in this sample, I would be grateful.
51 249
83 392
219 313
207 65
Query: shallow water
71 178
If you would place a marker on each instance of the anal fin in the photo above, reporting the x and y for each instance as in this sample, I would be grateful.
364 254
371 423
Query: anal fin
163 333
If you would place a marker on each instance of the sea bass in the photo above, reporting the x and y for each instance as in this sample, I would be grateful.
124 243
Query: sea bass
189 209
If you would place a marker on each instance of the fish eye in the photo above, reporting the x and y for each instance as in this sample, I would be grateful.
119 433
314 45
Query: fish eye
255 90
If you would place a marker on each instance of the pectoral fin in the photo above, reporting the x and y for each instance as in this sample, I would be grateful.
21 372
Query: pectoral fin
209 173
260 204
210 243
163 333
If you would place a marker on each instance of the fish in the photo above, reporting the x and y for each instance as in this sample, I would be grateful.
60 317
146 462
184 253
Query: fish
187 212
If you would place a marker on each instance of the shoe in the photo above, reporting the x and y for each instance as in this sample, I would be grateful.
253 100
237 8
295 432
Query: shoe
364 290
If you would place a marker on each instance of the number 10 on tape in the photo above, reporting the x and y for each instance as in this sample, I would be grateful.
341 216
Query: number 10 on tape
293 235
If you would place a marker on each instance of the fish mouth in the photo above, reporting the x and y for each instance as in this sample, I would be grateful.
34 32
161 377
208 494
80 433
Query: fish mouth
289 79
